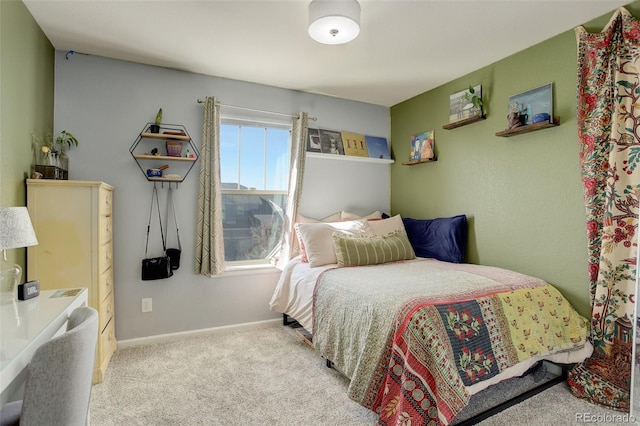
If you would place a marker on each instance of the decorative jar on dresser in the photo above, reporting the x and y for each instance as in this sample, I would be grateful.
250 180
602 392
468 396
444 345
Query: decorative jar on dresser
73 223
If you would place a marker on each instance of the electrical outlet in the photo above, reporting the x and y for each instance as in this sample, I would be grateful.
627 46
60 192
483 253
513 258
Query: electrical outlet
147 305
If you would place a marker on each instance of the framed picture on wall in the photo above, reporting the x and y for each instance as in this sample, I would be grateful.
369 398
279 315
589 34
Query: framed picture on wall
313 141
531 107
377 147
422 146
461 104
331 142
353 144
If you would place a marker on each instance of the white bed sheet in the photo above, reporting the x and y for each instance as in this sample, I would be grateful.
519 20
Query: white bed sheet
568 357
293 294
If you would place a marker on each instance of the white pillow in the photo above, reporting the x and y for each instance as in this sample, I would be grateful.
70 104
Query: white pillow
331 218
303 219
352 216
386 227
318 238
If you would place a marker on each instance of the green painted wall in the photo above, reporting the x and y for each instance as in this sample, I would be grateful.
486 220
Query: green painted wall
523 194
26 100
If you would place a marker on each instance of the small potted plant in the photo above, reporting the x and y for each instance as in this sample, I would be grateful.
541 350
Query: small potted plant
65 140
50 160
476 101
155 128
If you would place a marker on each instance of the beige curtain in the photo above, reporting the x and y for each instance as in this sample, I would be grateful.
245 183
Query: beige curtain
209 238
299 134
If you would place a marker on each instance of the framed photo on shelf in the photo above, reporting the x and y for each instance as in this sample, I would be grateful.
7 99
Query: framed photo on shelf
377 147
331 142
531 107
422 146
461 106
353 144
313 141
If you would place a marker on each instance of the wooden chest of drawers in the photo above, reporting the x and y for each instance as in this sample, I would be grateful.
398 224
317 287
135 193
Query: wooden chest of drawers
73 223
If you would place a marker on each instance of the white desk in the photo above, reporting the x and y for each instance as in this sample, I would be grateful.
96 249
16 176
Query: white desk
24 326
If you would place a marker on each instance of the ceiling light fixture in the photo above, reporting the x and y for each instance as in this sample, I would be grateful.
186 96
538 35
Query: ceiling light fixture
334 21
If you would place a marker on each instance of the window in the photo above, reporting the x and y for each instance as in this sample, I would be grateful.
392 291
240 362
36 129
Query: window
254 171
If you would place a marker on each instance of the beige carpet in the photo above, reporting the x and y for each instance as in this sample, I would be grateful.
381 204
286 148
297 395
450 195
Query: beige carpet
266 376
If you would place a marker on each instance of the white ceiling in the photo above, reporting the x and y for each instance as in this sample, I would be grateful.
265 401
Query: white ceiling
404 47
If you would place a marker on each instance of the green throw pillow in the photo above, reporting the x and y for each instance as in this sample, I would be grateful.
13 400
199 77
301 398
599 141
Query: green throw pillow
359 251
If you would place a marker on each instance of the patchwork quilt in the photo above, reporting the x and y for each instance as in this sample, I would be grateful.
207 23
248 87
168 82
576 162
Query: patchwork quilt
414 336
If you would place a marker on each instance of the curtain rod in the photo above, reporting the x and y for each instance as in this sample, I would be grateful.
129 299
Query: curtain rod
201 101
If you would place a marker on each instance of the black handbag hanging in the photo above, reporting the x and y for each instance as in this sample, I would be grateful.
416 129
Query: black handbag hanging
173 253
155 268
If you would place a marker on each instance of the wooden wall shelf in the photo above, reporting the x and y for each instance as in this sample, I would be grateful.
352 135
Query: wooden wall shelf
170 132
413 163
464 122
161 157
529 128
165 136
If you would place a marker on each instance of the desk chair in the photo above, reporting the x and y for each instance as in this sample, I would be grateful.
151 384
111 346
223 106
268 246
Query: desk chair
58 386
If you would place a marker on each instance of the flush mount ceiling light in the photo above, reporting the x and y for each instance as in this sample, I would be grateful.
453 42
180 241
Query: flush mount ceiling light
334 21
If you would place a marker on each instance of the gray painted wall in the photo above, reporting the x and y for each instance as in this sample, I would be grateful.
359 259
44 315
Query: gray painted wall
105 103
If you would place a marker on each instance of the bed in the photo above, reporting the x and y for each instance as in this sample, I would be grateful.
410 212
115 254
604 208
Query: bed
415 335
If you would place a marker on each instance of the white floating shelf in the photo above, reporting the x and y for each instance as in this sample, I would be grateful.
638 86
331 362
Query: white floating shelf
349 158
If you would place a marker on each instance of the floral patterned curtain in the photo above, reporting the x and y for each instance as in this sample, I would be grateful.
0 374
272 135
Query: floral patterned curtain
609 137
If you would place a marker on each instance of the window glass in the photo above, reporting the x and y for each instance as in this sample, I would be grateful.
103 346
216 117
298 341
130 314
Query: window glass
254 163
252 157
229 140
277 156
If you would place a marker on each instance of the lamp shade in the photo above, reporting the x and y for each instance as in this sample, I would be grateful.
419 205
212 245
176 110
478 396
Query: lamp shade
334 21
15 228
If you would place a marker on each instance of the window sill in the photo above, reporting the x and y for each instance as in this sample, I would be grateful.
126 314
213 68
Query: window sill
237 270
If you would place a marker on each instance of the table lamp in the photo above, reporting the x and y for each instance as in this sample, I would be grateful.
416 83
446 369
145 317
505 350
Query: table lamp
16 231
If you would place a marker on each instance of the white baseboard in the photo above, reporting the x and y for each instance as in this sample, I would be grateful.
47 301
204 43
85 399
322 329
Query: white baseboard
122 344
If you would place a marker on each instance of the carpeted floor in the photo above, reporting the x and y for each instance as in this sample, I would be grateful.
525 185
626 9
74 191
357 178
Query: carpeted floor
266 376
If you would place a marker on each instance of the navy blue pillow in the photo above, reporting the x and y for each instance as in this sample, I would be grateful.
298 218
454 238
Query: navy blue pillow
443 238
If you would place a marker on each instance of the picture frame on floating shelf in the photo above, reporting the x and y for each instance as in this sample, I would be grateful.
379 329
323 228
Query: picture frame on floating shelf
462 107
531 107
422 146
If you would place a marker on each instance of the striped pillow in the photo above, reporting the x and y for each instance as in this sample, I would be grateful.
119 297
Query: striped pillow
359 251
